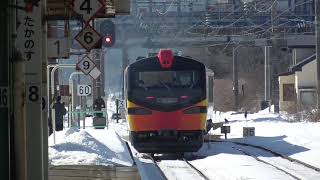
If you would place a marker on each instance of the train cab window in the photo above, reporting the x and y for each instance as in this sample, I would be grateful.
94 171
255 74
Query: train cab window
167 87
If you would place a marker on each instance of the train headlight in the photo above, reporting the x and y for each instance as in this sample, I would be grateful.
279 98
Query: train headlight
196 110
138 111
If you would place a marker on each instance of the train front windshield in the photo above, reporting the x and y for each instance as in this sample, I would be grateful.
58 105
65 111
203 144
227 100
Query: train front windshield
167 88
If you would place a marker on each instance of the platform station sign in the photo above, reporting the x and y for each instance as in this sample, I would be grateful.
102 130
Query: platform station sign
29 43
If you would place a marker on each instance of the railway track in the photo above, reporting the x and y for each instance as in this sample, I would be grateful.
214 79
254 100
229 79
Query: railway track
292 167
177 169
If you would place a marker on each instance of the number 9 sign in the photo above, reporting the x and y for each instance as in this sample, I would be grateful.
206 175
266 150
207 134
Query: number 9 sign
85 65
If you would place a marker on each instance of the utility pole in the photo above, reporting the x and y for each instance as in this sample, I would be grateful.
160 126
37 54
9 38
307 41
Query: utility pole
235 78
317 19
267 74
275 59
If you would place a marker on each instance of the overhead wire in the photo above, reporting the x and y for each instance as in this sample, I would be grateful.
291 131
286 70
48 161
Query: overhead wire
216 29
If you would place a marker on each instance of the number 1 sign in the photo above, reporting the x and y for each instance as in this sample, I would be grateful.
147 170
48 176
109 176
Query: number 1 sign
58 48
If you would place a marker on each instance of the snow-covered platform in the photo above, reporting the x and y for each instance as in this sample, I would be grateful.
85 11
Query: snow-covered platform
92 172
90 154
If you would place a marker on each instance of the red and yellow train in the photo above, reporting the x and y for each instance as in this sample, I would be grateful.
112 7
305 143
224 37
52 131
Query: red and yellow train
166 103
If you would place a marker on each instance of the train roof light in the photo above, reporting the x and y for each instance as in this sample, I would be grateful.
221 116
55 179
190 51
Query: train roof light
166 58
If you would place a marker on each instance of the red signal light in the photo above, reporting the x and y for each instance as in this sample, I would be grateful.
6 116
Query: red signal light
108 39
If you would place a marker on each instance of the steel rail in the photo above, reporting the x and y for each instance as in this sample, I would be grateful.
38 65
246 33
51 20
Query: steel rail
272 152
197 170
157 166
265 162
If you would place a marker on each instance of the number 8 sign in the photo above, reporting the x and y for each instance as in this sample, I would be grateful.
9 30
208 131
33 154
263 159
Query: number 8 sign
85 65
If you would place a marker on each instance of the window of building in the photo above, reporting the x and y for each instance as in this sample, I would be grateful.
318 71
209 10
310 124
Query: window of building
308 98
288 92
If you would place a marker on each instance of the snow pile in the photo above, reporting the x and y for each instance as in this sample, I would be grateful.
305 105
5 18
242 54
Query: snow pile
88 147
299 140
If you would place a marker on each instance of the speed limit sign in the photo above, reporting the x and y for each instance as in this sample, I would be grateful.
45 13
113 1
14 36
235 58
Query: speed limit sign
87 8
86 65
84 90
88 37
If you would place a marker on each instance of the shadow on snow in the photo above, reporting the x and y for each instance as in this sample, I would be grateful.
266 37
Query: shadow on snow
276 144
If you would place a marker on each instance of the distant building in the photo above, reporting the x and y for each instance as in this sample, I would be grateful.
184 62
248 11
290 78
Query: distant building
298 86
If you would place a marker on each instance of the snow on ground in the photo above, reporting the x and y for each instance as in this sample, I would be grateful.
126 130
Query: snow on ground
298 140
88 147
219 160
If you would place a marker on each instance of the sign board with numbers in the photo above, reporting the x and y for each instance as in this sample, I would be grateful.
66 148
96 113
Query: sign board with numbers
86 65
58 48
120 104
33 93
4 97
248 131
88 37
87 8
225 129
84 90
30 44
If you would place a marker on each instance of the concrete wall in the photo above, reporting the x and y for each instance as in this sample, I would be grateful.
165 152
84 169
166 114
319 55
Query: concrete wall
306 80
307 77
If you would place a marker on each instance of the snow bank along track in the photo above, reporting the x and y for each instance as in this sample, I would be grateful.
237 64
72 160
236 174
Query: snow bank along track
293 167
95 172
177 169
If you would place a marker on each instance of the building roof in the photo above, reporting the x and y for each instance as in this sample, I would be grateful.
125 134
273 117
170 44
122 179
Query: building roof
285 73
298 67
